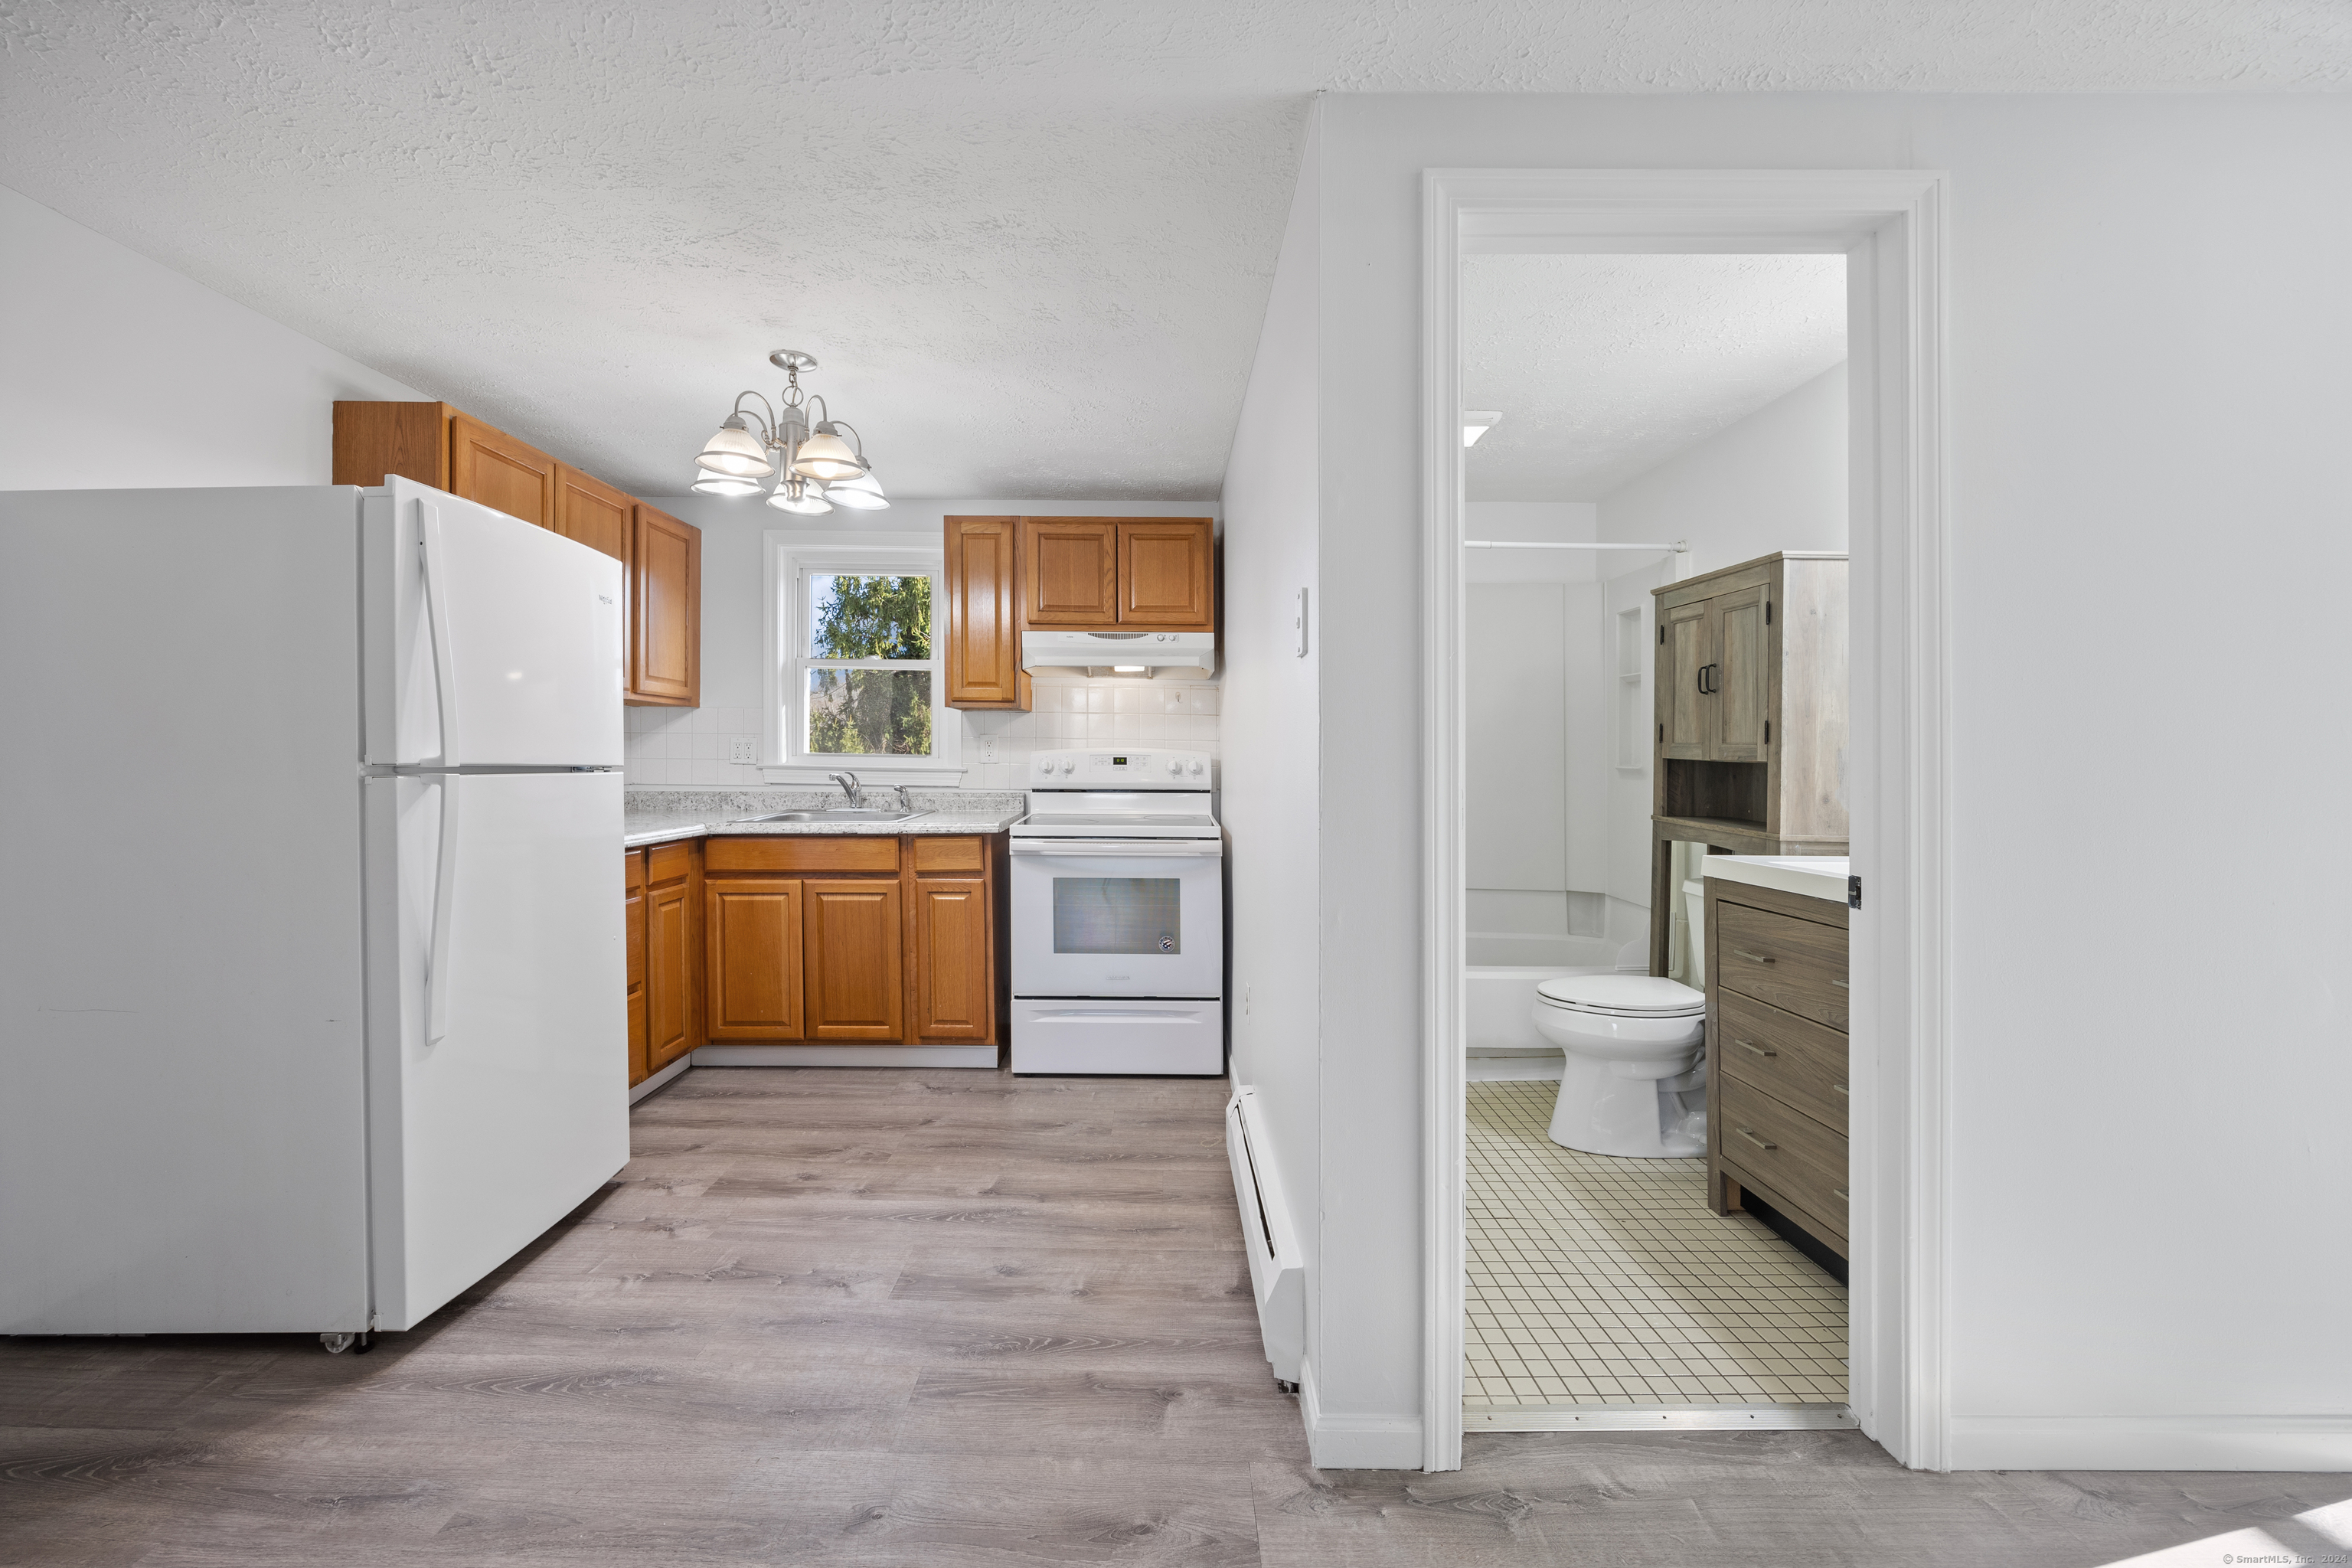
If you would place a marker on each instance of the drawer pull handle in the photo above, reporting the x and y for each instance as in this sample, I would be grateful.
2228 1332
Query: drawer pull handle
1760 1142
1760 1050
1751 957
1843 1193
1841 985
1842 1089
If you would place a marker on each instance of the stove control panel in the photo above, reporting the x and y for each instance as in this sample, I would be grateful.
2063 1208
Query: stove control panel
1108 769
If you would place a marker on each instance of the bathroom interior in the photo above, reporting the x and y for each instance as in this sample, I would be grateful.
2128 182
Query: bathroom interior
1655 652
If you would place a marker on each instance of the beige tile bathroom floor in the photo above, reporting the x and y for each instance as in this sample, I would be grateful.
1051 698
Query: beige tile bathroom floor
1603 1281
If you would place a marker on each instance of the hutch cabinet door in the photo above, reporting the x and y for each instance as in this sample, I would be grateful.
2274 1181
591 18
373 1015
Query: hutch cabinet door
491 467
1684 653
1071 564
592 511
1166 573
953 986
853 980
754 932
981 589
665 610
1741 677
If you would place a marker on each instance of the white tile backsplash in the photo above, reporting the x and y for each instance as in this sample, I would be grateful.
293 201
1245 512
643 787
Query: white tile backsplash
680 748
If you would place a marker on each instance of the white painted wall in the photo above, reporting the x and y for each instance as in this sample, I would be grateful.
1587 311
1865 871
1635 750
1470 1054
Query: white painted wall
119 373
1272 762
2146 323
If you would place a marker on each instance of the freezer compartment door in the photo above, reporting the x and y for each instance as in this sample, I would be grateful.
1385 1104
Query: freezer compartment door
484 641
498 1031
1081 1036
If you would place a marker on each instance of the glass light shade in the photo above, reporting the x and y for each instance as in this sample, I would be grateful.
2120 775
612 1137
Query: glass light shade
803 501
825 455
707 483
736 451
860 494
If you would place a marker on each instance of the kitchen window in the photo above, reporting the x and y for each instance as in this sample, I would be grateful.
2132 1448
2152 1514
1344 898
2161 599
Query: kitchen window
857 677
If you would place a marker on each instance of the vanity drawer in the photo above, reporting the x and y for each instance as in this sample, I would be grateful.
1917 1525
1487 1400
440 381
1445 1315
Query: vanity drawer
1793 1059
1797 965
1788 1152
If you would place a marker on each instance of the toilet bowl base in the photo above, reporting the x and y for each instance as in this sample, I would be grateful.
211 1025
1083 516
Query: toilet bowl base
1601 1111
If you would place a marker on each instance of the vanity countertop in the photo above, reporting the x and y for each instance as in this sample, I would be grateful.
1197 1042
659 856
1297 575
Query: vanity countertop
1809 876
660 816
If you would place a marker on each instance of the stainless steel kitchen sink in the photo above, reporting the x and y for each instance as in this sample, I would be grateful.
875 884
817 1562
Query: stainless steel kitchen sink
837 813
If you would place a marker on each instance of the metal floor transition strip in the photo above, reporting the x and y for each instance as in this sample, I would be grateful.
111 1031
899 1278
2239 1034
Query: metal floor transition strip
1656 1417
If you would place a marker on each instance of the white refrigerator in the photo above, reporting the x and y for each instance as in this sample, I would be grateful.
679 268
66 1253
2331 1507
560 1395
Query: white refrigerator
312 988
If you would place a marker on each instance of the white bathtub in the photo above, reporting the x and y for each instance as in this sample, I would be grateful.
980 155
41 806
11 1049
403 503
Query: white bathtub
1500 998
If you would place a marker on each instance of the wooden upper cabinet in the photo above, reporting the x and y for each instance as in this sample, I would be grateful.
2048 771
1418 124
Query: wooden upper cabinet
665 610
1741 675
1685 656
1166 573
592 511
854 979
490 466
376 441
981 587
1070 567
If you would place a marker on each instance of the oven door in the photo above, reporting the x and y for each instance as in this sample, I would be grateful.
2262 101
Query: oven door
1117 917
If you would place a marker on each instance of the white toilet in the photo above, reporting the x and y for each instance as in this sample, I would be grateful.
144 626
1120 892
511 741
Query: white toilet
1634 1044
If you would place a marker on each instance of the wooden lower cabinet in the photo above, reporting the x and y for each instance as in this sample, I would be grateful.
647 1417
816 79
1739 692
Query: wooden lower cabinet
853 957
955 986
634 880
673 941
754 971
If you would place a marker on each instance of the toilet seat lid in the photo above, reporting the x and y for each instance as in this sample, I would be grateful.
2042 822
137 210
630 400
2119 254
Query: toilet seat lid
1635 995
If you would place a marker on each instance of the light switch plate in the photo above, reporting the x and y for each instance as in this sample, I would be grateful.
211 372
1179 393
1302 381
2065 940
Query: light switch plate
743 750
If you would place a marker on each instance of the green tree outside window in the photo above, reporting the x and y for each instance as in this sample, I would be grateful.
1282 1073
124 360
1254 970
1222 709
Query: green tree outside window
870 711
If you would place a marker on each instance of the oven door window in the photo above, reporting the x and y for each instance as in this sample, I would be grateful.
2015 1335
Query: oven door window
1117 914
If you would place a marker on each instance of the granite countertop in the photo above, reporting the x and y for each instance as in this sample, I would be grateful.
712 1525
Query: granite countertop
662 816
1810 875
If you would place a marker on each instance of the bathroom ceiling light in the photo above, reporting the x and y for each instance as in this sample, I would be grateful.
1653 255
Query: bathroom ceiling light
1476 422
777 438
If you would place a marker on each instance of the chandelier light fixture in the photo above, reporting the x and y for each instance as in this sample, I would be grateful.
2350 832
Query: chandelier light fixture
814 468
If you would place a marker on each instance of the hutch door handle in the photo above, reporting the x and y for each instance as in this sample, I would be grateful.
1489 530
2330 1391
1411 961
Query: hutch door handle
1751 1137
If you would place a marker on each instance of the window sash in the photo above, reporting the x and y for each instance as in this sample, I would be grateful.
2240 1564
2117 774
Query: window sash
797 713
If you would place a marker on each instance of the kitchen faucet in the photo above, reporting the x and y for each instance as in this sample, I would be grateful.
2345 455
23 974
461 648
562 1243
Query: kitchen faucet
852 788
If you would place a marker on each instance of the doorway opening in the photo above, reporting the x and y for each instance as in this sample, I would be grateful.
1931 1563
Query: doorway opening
1642 757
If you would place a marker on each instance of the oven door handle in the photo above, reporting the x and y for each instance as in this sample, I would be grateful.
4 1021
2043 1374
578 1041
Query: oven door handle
1122 848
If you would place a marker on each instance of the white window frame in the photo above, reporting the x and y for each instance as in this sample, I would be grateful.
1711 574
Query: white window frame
787 559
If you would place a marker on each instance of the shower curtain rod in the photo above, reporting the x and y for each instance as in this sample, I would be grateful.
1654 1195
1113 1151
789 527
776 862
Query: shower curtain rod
1679 546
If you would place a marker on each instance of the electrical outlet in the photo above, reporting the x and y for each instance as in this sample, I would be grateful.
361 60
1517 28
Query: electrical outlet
987 748
743 750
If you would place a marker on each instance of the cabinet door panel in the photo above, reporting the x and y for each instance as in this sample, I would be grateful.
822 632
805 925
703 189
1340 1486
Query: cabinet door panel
953 994
1166 573
592 511
1742 663
635 924
855 975
665 609
1683 658
669 974
491 467
983 591
1071 566
755 941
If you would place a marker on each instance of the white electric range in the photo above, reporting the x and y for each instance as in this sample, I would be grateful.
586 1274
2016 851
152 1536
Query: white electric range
1119 916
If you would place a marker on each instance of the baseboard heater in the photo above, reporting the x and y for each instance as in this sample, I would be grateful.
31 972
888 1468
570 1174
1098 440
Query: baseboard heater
1278 1269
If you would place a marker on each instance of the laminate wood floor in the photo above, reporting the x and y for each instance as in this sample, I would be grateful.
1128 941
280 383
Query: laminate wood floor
938 1319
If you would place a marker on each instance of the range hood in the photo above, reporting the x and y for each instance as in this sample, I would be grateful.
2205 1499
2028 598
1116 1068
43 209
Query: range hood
1119 653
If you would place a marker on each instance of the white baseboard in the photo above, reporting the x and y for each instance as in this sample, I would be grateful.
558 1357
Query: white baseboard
830 1056
1528 1067
2151 1443
1335 1442
639 1091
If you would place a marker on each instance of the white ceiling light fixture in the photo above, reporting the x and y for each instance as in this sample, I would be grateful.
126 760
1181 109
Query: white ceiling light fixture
1476 422
863 493
777 438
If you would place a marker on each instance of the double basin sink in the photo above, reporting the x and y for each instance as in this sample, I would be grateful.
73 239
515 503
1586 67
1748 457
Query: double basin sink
833 814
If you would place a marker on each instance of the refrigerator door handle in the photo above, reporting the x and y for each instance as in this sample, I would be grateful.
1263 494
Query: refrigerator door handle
436 611
445 887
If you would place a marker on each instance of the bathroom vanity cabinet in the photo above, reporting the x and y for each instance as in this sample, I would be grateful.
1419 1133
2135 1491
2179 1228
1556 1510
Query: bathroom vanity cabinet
1750 734
1776 1061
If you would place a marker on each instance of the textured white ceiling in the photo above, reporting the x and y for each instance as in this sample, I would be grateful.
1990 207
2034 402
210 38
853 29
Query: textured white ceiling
1604 366
1031 239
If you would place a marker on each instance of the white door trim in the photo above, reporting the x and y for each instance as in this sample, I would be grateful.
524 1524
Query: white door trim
1889 224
